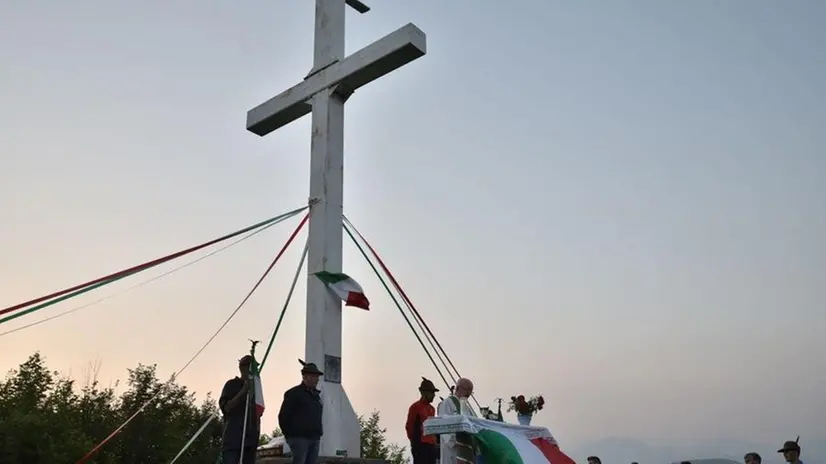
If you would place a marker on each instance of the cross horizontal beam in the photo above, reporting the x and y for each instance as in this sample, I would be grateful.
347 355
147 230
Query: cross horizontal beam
357 5
368 64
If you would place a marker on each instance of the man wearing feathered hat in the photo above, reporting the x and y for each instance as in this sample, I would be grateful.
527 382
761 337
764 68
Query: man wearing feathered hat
239 438
791 451
300 416
422 447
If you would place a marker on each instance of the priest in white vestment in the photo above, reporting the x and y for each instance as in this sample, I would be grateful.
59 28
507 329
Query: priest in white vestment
455 404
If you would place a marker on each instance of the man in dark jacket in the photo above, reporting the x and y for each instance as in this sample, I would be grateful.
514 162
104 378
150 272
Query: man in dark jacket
300 416
237 394
422 447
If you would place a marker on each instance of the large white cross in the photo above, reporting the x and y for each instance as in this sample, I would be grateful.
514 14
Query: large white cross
332 80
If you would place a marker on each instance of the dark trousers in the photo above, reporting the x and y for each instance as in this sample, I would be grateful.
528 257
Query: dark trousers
424 453
234 456
304 450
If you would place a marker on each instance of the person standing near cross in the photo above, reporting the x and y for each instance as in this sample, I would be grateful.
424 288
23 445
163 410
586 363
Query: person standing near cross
240 440
300 416
423 448
457 447
791 451
333 79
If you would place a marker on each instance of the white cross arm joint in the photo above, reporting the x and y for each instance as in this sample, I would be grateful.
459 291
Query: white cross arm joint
368 64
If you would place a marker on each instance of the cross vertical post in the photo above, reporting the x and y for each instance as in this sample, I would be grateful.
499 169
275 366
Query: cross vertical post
332 80
324 315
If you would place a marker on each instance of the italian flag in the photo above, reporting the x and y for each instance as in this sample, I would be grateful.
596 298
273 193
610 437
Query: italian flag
346 288
501 443
259 390
509 447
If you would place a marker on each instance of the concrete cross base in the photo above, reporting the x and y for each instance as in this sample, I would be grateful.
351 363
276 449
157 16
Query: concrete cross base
263 458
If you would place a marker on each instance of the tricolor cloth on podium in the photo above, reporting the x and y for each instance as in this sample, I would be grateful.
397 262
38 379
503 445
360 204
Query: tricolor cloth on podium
500 443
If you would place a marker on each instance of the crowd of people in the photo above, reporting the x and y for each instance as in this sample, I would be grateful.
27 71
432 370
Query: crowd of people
300 420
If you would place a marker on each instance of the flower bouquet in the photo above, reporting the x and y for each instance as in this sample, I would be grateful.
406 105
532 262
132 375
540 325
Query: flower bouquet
526 408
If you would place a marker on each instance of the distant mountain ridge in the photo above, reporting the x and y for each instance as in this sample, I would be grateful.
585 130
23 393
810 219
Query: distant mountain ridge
622 450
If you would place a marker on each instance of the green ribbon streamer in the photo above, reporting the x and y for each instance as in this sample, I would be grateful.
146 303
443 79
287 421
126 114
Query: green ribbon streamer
69 295
115 279
286 304
393 297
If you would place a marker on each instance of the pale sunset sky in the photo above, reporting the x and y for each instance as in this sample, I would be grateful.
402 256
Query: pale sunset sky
619 205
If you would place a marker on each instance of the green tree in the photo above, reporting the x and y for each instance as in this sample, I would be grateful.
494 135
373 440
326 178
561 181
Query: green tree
38 419
374 443
164 426
266 438
46 418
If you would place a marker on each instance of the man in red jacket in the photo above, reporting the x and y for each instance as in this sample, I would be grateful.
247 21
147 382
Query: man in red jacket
423 447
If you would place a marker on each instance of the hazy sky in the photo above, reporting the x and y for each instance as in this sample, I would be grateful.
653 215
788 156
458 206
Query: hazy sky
620 205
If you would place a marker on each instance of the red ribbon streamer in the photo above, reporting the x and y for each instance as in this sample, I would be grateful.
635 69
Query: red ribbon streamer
139 267
254 288
403 294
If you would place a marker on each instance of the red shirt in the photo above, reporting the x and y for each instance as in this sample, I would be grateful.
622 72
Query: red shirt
416 415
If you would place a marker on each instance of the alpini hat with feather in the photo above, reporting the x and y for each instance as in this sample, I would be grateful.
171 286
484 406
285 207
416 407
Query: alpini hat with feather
427 386
309 368
790 446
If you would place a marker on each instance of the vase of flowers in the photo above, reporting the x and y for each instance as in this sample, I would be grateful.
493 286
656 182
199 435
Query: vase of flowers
526 408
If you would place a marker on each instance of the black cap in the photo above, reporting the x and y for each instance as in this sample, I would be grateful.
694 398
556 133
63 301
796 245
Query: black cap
309 368
427 386
245 360
790 446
